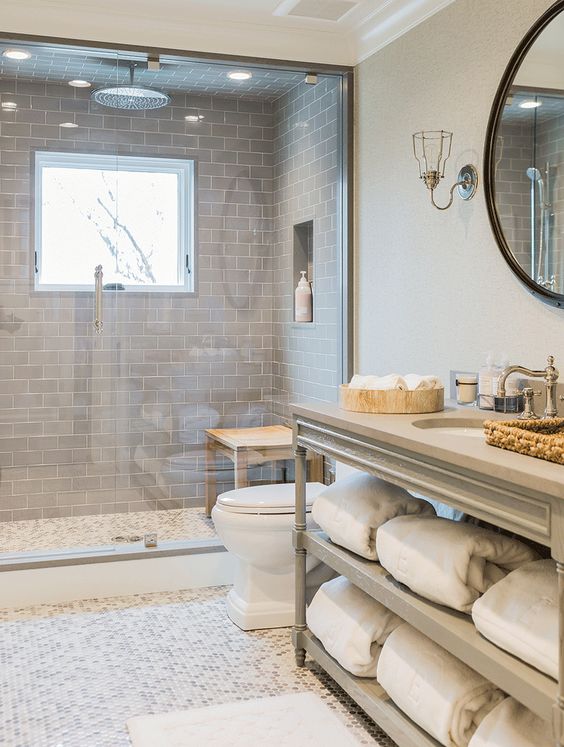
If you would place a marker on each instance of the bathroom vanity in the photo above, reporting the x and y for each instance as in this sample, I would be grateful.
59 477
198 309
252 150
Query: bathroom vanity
445 457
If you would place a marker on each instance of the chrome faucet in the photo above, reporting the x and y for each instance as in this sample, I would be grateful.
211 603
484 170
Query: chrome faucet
549 374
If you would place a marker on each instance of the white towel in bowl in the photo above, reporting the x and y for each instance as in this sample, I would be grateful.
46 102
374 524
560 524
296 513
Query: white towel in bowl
351 510
414 381
520 615
351 625
431 686
391 381
395 381
448 562
510 724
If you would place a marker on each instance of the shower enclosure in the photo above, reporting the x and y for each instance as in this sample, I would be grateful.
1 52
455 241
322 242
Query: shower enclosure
147 214
528 183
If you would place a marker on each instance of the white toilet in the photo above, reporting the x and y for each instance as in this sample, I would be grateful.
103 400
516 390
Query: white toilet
255 525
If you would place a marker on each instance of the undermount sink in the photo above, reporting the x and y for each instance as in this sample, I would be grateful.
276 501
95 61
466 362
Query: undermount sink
467 427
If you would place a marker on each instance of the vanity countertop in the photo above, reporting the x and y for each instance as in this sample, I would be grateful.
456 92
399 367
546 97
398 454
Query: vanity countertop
438 444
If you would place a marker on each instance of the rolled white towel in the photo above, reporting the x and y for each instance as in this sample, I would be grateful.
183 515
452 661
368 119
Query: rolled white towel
415 381
351 510
510 724
520 615
447 561
391 381
431 686
351 625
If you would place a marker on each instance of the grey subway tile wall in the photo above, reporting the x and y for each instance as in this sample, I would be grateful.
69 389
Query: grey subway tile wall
115 423
306 177
549 161
515 154
524 145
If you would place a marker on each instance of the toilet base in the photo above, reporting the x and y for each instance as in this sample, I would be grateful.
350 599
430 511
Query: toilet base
257 615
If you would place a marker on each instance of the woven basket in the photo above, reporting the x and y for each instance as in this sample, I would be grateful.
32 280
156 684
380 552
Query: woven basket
391 401
543 439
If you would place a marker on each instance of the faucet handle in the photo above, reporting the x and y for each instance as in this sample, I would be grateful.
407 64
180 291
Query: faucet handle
529 410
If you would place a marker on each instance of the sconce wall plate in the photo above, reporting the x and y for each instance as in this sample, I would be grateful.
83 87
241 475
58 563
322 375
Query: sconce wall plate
467 181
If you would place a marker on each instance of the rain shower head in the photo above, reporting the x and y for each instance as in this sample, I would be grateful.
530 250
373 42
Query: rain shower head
130 96
533 174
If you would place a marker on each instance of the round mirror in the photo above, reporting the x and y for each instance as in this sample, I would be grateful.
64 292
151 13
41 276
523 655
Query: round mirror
524 159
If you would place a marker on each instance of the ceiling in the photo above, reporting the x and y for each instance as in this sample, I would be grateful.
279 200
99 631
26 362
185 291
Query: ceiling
62 64
540 77
340 32
543 66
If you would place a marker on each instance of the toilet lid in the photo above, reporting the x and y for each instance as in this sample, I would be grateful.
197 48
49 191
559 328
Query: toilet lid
267 499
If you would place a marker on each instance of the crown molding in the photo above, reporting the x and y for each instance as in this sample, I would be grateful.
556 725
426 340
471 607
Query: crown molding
390 21
341 43
107 24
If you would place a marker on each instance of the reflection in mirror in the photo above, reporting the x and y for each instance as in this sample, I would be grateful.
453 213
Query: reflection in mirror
529 181
529 161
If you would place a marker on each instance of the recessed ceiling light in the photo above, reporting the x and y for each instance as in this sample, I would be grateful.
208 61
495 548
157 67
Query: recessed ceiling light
239 75
16 54
79 83
68 124
9 106
194 117
530 104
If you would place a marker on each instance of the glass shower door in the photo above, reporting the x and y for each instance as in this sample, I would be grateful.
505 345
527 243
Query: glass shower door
58 467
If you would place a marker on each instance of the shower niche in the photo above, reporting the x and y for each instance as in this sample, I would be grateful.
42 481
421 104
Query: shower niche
303 261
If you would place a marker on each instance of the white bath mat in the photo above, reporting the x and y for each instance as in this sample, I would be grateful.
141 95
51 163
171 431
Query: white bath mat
301 720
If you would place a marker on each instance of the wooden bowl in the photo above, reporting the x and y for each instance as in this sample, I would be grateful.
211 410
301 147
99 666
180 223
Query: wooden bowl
391 401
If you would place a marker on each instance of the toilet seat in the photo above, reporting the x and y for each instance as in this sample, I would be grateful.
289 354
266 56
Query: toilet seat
267 499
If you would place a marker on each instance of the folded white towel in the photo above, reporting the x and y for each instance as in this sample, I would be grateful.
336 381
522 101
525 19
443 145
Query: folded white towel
436 690
414 381
510 724
520 615
351 625
351 510
446 561
395 381
392 381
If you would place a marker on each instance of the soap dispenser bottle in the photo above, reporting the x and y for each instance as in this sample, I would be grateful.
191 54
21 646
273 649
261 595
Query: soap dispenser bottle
488 376
303 300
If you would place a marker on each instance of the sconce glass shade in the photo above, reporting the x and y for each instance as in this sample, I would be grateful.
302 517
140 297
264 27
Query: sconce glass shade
432 149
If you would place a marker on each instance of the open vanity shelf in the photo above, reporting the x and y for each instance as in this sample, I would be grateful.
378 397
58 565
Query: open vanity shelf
388 447
451 630
369 696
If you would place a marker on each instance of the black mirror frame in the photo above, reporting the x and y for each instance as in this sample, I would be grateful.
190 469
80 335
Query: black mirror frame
544 294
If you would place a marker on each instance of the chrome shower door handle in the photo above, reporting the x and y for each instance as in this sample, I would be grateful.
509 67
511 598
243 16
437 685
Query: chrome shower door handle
98 280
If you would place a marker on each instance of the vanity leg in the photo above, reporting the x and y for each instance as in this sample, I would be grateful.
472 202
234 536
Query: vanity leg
300 526
211 476
558 715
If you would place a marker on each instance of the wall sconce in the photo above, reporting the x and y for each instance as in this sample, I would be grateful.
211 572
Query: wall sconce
432 149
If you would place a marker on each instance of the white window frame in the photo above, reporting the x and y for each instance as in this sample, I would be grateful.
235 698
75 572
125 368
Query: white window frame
184 168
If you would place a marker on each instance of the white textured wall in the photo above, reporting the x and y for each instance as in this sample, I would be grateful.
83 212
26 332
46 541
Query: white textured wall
433 290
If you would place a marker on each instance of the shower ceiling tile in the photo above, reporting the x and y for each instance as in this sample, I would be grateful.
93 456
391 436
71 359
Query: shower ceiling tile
104 68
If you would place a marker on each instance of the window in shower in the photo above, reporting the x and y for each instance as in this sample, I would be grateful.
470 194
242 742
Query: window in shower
131 214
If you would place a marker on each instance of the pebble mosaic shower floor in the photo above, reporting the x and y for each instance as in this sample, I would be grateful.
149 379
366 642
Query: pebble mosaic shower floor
99 530
72 674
